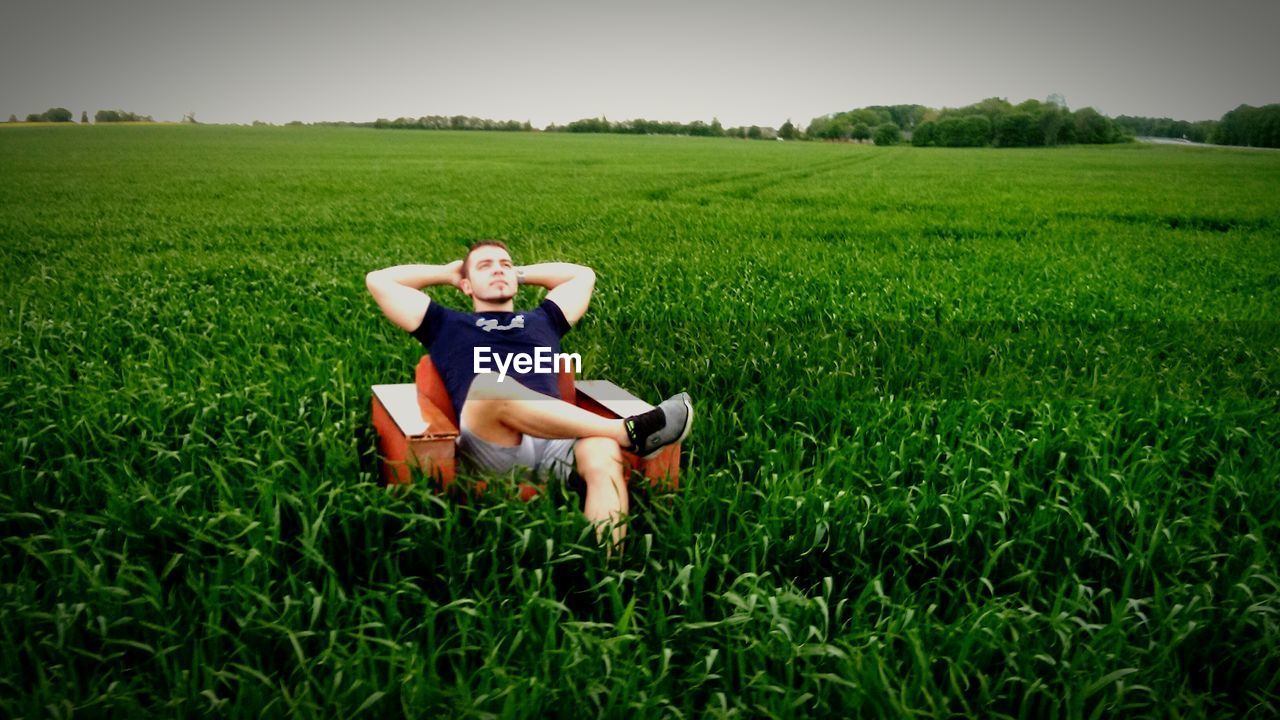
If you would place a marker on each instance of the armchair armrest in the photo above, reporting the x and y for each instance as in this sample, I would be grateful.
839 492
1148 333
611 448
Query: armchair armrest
411 433
608 400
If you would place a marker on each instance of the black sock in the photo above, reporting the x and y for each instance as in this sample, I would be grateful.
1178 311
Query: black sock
643 425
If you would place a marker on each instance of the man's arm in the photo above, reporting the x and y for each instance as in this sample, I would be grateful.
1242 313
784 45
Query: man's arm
570 285
398 290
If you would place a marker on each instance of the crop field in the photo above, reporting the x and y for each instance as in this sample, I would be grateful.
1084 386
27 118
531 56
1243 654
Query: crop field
979 432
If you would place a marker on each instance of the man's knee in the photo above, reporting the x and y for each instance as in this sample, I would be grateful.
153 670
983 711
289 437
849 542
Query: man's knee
598 458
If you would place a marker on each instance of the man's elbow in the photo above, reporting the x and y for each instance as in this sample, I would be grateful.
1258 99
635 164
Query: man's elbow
587 275
372 280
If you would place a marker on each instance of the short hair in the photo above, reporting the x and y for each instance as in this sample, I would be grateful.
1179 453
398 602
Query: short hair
476 246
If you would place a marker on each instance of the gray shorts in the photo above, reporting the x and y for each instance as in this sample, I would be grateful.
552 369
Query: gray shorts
540 456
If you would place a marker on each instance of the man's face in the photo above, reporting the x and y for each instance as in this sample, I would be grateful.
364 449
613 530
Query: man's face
491 276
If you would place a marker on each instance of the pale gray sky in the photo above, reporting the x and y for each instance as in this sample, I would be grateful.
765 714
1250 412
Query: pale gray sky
745 62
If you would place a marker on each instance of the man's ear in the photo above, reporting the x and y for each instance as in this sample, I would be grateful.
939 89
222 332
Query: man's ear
465 286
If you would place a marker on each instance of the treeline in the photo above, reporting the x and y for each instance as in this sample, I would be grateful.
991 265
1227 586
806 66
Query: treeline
109 116
697 128
1250 126
991 122
103 116
863 124
998 123
1201 131
640 126
453 122
51 115
1247 125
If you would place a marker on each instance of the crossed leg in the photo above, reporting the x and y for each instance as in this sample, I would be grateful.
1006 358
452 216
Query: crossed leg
501 412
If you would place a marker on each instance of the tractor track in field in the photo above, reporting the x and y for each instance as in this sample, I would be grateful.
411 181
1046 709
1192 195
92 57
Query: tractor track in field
749 184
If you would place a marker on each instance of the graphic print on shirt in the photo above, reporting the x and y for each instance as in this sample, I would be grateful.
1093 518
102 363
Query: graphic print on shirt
490 325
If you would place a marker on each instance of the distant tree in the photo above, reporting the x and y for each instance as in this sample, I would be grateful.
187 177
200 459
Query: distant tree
860 132
869 116
950 132
992 107
888 134
1017 129
1031 107
925 134
13 118
1202 130
1093 127
1146 126
589 125
1054 122
754 133
964 131
110 116
697 128
1250 126
52 115
978 130
1231 128
84 117
717 130
979 119
788 131
905 117
818 127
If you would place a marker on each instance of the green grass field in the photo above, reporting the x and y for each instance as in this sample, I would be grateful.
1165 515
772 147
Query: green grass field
980 432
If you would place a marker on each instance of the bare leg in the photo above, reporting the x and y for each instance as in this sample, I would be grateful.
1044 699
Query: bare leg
599 463
500 412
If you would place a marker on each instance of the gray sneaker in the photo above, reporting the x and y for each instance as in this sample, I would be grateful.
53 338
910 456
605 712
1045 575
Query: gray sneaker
667 424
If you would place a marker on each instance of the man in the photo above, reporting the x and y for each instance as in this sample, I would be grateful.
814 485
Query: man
517 419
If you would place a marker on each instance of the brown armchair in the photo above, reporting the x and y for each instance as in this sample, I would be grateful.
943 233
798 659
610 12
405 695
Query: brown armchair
417 429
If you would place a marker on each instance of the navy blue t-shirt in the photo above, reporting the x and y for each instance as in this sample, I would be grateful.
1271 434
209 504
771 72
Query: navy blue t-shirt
451 338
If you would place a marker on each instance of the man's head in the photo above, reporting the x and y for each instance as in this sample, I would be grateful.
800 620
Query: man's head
488 275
